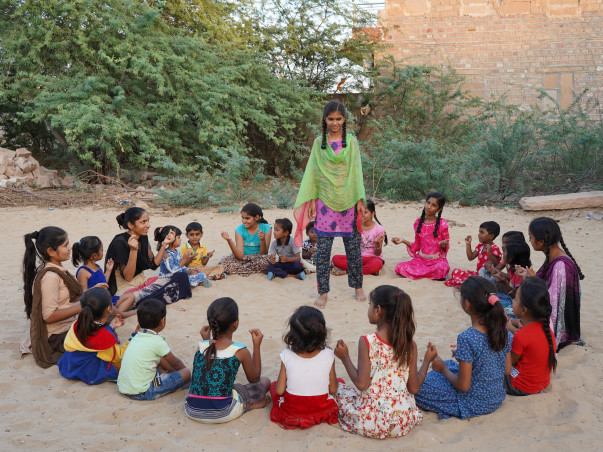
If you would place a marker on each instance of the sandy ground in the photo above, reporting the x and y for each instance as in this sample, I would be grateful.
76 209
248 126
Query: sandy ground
41 410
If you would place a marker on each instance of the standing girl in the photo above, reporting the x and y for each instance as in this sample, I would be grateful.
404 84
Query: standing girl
301 395
251 243
430 247
172 261
88 251
332 194
214 397
386 377
371 245
51 293
533 349
92 351
562 276
132 255
474 385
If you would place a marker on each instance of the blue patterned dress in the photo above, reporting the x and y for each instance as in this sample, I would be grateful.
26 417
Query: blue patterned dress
171 264
486 392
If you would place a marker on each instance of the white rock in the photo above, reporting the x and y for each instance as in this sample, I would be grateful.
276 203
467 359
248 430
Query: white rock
22 152
588 199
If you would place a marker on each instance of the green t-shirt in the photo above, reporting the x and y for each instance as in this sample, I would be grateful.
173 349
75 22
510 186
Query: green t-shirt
139 364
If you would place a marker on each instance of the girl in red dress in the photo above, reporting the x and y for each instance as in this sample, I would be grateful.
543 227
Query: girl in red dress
302 393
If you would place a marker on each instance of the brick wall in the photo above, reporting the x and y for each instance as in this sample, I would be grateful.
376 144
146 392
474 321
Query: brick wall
506 47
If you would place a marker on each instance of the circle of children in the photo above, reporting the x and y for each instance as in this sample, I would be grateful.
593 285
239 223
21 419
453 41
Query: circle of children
518 319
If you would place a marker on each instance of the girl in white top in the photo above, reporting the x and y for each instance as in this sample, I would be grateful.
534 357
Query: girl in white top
302 393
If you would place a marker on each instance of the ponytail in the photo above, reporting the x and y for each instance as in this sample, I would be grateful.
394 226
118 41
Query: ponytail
221 314
36 246
370 205
82 251
94 303
481 294
534 296
399 314
580 274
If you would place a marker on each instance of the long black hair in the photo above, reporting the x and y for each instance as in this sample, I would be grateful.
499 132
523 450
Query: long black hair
307 330
441 200
221 314
36 245
129 216
86 247
94 303
547 230
370 205
331 107
254 210
400 316
478 292
534 296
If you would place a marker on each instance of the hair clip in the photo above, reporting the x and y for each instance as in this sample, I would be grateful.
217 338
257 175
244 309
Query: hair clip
400 293
161 229
493 298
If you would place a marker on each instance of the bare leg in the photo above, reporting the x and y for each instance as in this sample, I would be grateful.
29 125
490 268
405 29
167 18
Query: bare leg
360 297
321 301
266 400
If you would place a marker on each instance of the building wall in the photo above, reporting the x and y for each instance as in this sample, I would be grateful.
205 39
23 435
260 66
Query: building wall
509 47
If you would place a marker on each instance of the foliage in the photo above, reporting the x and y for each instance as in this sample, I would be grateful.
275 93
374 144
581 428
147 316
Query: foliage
109 84
322 42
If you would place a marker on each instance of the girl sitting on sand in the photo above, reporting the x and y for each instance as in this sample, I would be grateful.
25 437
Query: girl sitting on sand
132 255
172 261
51 293
371 244
92 351
473 385
431 244
533 349
285 259
386 378
301 395
251 243
89 250
214 397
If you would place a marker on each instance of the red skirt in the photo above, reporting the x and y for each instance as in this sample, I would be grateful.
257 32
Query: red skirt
292 411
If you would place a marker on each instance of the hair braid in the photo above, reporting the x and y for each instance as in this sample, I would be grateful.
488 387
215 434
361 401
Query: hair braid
210 353
421 220
377 220
547 332
580 274
344 134
437 225
324 134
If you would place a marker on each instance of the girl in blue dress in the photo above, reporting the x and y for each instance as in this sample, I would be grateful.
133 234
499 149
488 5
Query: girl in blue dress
472 385
88 251
173 261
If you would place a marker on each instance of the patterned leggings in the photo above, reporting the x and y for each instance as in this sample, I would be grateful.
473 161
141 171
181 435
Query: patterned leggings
323 256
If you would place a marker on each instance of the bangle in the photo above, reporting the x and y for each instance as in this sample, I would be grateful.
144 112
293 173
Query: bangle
419 372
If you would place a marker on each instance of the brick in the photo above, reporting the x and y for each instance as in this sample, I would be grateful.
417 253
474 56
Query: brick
551 81
566 88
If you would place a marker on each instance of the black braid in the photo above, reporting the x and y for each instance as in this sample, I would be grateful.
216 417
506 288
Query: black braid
344 134
324 134
547 332
210 352
377 220
547 251
571 257
421 220
437 225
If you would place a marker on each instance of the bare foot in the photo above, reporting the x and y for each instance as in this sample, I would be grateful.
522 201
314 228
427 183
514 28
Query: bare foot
360 297
321 301
261 404
338 272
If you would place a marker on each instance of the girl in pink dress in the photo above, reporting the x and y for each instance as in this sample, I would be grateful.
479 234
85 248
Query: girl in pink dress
373 236
430 247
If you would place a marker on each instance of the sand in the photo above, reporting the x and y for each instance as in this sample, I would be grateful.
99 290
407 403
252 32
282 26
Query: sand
42 410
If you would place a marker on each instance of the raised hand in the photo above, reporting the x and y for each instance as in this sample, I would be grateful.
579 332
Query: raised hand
109 265
205 332
341 349
468 240
397 240
261 235
431 353
133 242
225 235
256 337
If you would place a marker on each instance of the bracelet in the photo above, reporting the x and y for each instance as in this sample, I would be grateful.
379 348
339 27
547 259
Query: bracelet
419 372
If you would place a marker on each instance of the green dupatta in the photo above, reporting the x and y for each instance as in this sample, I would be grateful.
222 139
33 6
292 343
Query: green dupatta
334 179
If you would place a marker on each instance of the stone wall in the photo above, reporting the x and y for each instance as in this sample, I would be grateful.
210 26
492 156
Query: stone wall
506 47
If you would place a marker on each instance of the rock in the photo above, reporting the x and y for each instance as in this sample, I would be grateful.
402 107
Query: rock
22 152
140 188
142 205
67 181
587 199
47 178
26 165
7 154
36 172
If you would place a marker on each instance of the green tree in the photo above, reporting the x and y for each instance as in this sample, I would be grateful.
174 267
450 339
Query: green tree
109 83
320 41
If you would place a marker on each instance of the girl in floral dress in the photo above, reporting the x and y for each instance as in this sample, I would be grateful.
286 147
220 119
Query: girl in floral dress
382 404
430 247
